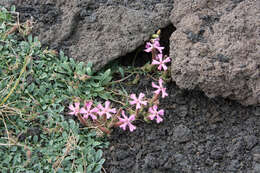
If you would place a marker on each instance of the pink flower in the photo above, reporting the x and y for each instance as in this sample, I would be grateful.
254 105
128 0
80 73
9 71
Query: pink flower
87 111
154 45
127 122
161 62
156 114
138 101
160 88
106 110
75 110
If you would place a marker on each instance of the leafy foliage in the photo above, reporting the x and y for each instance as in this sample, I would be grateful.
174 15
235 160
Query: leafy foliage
35 87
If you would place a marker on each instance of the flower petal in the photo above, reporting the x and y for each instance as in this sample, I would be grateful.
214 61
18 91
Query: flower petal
83 111
154 85
131 127
155 62
133 96
141 95
112 110
131 118
123 126
159 119
71 107
77 104
151 117
161 112
107 104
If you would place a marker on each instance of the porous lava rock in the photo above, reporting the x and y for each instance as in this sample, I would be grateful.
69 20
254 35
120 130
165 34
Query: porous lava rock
216 48
96 31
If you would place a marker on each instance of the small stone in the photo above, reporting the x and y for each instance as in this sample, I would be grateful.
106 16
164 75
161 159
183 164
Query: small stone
182 111
121 155
257 111
151 161
256 157
217 153
209 162
178 157
234 165
182 134
237 147
251 141
256 153
256 168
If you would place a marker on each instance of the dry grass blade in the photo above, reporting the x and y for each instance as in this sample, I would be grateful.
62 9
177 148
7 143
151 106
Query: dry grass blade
71 143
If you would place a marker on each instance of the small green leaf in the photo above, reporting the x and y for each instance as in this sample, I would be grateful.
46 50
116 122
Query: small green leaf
14 148
122 72
89 72
80 169
35 138
13 8
30 38
97 169
90 167
98 155
102 161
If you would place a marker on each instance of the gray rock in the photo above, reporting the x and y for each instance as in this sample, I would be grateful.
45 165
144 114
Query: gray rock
98 31
256 154
216 48
121 155
236 148
234 165
250 141
257 110
182 134
256 168
182 110
217 153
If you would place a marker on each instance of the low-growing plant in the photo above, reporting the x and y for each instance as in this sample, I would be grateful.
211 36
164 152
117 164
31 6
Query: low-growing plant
35 86
105 118
45 93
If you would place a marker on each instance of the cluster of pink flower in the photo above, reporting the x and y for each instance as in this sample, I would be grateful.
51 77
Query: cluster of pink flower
119 118
154 47
88 111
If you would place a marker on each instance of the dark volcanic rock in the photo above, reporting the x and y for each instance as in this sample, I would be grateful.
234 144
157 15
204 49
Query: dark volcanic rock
216 48
96 31
181 134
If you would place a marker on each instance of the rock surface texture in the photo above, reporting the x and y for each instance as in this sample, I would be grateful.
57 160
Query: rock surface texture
216 48
96 30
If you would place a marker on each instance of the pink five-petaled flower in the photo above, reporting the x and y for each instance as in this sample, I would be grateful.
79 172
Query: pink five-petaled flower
154 44
74 110
161 62
87 111
138 101
106 110
125 121
156 114
160 88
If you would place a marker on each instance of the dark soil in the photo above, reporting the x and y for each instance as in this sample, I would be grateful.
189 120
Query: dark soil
198 134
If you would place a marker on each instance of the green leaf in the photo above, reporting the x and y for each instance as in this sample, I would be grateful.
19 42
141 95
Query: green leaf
98 155
106 74
80 169
122 72
35 138
97 169
89 72
102 161
13 8
13 148
30 38
90 167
